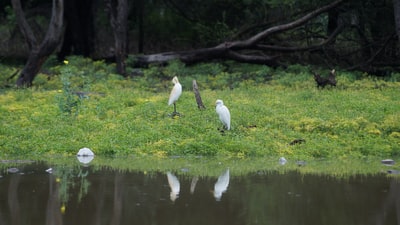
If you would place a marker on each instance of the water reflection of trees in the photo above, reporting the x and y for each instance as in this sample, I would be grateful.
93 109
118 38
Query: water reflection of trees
84 195
31 198
390 205
54 209
37 195
313 199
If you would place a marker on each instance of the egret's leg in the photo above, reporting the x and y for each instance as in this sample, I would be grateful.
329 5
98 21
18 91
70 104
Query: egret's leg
175 113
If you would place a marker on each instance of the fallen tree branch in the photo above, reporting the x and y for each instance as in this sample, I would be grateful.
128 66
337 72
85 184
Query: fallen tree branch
231 50
284 27
13 75
330 39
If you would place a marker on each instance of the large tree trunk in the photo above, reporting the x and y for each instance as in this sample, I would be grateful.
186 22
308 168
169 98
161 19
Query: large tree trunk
79 33
39 52
242 51
140 17
396 7
118 12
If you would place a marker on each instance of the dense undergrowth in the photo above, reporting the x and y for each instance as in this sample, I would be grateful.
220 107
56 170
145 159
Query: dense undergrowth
83 103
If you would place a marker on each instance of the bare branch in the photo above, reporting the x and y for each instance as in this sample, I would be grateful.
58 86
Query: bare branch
39 53
257 59
54 32
229 50
372 58
196 91
23 24
284 27
306 48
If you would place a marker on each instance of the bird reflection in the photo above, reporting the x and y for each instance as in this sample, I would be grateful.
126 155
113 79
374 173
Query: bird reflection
193 184
174 185
221 185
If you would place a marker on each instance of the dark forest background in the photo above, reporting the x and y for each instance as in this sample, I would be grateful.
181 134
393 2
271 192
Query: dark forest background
354 35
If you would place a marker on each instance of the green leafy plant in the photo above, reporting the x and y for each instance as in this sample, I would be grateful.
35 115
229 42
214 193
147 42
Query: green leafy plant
68 101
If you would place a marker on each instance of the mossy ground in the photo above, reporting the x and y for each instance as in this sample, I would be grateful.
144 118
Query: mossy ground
269 108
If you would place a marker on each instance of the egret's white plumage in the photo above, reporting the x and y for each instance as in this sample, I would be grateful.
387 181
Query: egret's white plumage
223 113
221 185
175 93
174 185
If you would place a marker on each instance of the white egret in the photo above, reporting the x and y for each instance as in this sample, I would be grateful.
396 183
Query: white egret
175 94
221 185
174 185
223 113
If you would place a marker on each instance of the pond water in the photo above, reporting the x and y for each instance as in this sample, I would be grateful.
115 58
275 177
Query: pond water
38 193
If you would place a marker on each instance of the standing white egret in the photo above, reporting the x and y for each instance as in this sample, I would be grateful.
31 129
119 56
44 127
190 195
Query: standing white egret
174 185
221 185
223 113
175 94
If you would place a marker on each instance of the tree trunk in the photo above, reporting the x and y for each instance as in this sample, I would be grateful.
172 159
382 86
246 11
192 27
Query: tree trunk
140 15
79 33
118 12
38 53
333 19
239 50
196 91
396 7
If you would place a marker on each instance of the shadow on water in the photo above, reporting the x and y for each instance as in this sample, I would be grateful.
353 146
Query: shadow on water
37 192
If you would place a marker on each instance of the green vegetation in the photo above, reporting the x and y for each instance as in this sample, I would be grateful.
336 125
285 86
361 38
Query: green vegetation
84 104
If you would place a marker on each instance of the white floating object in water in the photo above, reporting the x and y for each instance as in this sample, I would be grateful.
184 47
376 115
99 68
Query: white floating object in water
282 161
85 155
393 171
13 170
85 159
388 162
85 152
49 170
301 163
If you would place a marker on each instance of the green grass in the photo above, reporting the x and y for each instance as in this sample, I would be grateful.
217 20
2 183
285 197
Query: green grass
269 109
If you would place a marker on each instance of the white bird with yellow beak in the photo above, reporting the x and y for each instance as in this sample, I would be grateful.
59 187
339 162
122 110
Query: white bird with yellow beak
223 113
175 94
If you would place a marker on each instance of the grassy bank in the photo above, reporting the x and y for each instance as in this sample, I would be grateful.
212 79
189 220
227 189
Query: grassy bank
269 109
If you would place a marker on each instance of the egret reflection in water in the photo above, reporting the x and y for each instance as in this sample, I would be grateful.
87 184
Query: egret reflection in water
193 184
174 185
221 185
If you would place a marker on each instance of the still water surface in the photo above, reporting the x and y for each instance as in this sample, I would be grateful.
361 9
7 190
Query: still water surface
32 193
